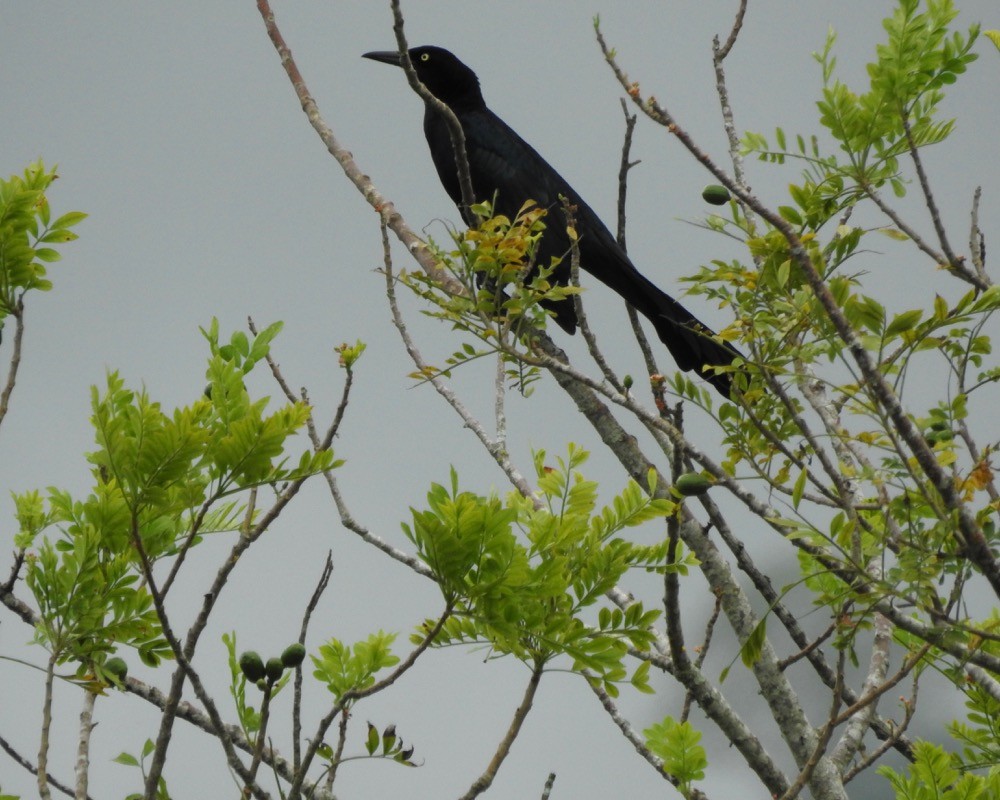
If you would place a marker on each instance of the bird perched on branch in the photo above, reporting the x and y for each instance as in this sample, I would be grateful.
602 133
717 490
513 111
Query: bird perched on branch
504 166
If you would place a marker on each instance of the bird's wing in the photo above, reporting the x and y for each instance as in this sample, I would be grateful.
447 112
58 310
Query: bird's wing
500 161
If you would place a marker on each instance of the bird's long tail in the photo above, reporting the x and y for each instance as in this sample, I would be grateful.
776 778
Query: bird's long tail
693 345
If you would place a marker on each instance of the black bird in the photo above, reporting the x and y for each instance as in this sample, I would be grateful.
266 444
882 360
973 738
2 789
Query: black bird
503 165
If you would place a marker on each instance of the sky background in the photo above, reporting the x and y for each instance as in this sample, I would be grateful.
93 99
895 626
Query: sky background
177 131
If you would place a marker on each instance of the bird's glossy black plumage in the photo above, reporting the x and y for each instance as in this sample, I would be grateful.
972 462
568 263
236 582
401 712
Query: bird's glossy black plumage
503 165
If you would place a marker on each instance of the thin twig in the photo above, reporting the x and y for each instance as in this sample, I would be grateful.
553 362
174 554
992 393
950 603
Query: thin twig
977 241
809 649
338 755
484 781
925 186
23 762
350 697
496 449
386 210
824 737
624 165
15 358
722 52
15 570
43 747
968 531
897 733
324 581
634 738
454 126
699 661
83 744
549 783
258 751
581 315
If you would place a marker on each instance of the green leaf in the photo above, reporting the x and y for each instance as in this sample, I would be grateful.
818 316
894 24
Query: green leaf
677 745
799 488
905 321
754 645
790 214
372 740
68 220
47 254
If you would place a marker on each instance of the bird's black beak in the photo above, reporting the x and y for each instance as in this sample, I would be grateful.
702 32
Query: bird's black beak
386 57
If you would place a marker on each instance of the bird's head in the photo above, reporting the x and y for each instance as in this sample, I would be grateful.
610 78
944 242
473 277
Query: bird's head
447 78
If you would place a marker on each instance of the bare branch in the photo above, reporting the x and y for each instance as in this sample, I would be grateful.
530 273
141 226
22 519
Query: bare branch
496 448
851 740
15 358
484 781
721 53
324 581
83 744
454 126
23 762
549 783
349 697
634 738
387 211
977 241
969 532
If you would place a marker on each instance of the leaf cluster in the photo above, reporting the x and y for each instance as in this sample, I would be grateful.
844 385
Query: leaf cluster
28 234
505 293
522 574
162 481
933 776
677 744
388 744
348 668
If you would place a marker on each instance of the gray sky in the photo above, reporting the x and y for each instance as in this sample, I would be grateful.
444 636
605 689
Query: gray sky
176 129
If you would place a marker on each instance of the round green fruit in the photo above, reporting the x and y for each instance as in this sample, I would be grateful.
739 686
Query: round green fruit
716 195
294 655
273 669
252 666
691 484
116 668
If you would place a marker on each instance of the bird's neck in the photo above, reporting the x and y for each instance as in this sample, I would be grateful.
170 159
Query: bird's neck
467 101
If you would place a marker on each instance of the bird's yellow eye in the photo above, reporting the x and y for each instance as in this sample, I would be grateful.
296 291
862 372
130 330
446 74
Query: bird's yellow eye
425 56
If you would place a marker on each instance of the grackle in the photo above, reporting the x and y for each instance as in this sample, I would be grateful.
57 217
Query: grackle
504 166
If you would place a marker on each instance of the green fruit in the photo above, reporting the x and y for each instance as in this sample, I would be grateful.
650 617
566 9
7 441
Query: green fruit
294 655
252 666
116 668
716 195
936 436
691 484
273 669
